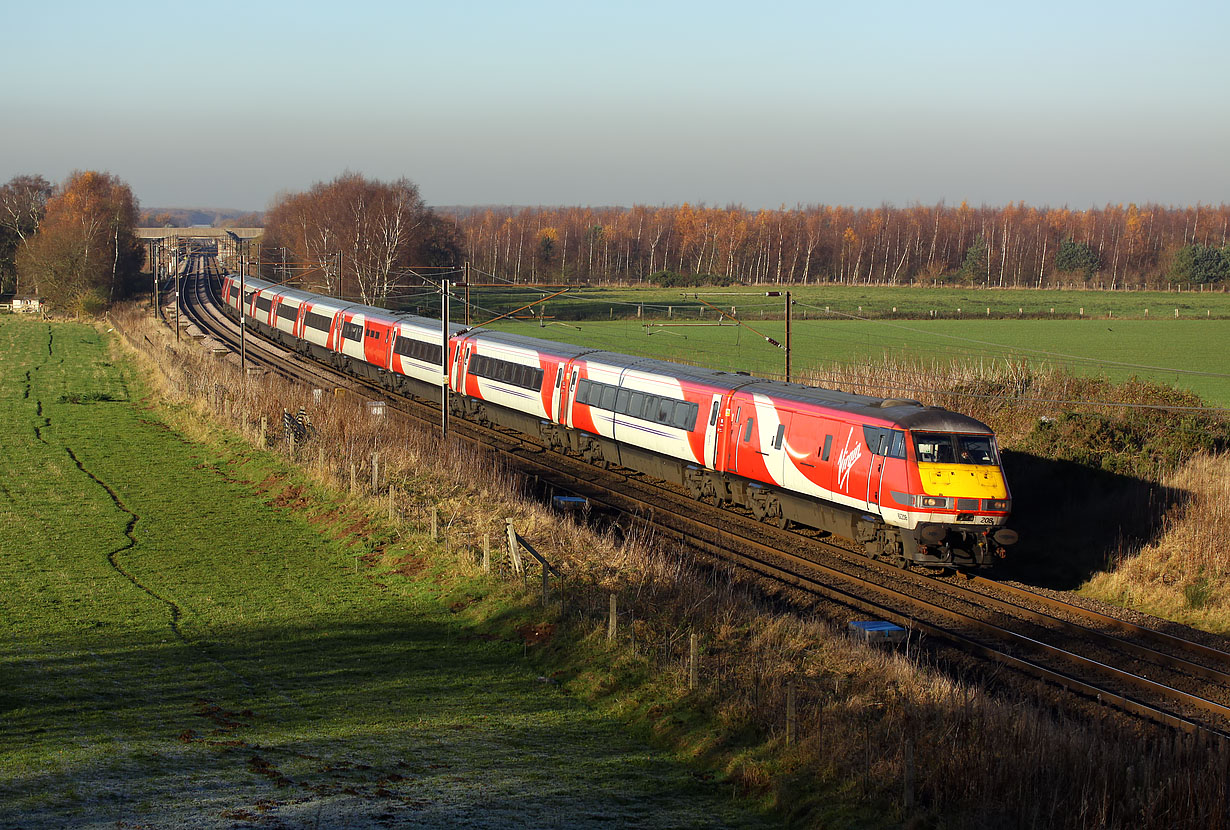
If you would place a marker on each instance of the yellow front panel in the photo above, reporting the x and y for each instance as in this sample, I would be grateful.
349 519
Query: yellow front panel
963 481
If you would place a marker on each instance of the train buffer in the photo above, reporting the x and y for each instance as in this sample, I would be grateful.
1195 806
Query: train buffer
878 631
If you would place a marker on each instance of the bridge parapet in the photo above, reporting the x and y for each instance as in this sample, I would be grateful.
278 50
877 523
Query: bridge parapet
197 233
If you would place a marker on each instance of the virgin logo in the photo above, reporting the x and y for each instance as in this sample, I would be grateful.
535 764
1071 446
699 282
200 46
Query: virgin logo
846 460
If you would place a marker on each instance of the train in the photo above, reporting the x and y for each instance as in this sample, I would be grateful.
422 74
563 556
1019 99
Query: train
912 484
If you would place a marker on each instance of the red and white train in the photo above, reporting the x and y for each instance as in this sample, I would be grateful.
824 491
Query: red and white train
912 483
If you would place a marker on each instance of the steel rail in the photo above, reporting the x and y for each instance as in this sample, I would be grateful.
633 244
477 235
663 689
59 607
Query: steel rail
597 491
1144 632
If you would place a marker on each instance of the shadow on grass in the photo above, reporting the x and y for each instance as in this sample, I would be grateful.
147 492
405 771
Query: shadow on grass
358 723
1075 520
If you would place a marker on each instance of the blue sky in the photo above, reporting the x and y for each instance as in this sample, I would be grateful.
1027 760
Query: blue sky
761 104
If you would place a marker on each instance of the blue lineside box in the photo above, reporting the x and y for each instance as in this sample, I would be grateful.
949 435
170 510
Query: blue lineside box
877 631
569 504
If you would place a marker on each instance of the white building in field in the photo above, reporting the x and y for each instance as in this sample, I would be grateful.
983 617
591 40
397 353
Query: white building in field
25 303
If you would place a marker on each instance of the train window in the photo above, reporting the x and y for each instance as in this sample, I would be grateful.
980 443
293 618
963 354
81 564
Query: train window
352 331
636 404
685 415
975 449
777 439
506 371
559 374
287 312
317 321
426 352
622 400
879 439
747 433
264 303
933 448
609 393
714 412
665 410
828 445
582 391
373 333
896 446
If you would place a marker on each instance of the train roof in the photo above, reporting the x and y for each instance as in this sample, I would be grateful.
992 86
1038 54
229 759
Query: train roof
904 412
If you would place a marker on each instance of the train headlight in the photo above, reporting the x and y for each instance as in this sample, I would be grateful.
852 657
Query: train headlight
940 502
997 505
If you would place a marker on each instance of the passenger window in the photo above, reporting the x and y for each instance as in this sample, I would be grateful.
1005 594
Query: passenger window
559 375
828 445
777 439
636 404
621 401
714 412
666 411
747 433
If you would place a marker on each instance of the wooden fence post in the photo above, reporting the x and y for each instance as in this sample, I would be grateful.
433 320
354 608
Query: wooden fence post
352 478
264 430
514 549
612 622
487 553
693 668
435 523
375 472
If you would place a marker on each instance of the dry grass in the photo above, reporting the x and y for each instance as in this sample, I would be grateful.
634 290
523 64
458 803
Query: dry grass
977 761
1174 466
1185 574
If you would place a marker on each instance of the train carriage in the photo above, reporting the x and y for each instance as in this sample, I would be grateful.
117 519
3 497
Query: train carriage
512 380
911 483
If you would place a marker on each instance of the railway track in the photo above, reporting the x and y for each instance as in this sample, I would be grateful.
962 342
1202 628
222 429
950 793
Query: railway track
1138 669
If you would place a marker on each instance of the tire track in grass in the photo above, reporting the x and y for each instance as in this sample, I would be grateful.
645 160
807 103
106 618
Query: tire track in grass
113 556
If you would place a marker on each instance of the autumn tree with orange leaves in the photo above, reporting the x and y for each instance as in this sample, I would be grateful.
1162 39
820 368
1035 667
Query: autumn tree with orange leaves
85 255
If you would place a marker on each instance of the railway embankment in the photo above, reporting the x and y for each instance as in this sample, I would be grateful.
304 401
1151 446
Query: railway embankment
195 634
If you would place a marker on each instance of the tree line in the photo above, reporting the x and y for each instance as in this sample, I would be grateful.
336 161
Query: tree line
1012 246
74 244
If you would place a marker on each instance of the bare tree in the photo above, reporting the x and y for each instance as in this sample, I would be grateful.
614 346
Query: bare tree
23 201
361 233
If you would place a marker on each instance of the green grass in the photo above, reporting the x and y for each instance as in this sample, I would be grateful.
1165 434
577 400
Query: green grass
1187 353
176 649
862 301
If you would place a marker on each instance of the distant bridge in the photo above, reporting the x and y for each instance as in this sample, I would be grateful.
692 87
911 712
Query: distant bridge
167 244
198 233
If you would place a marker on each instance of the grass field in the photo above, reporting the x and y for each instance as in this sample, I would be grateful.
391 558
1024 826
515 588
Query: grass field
179 648
876 301
1187 353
